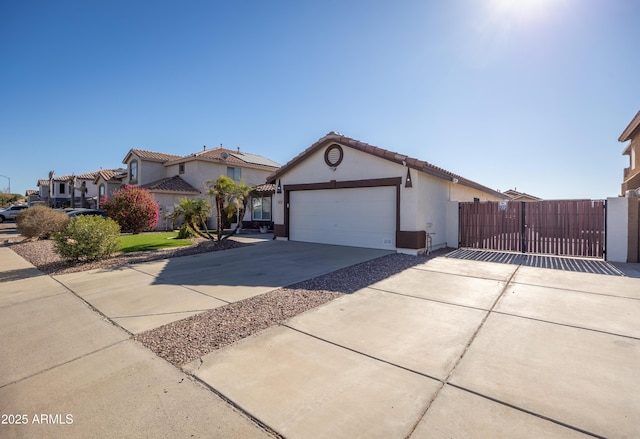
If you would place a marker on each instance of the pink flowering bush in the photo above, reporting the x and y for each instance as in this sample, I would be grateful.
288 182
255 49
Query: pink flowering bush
133 208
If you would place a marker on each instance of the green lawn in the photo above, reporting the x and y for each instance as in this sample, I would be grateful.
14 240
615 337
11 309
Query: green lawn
151 241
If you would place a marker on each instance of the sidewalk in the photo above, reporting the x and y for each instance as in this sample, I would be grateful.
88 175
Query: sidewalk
67 372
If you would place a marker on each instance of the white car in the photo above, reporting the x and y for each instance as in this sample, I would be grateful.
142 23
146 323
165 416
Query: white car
11 212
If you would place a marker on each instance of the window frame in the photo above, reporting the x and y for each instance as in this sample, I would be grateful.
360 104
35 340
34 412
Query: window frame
133 171
253 208
236 171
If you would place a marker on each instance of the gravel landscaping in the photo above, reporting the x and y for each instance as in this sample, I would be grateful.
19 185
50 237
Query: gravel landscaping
186 340
41 254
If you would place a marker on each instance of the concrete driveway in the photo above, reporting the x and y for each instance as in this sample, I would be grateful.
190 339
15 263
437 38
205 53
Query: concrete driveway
144 296
448 349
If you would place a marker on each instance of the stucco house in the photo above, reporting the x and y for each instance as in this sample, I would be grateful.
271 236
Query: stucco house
343 191
631 175
60 192
170 177
108 181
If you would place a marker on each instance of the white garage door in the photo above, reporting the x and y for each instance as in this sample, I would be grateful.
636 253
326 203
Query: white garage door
363 217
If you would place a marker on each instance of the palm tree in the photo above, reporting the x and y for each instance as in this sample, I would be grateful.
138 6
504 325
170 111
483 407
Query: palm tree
229 197
194 214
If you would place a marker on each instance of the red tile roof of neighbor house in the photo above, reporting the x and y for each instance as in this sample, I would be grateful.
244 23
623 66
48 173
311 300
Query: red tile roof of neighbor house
395 157
220 155
86 176
229 156
171 184
111 175
151 155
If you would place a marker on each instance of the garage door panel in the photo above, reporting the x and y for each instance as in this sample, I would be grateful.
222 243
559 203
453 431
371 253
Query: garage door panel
362 217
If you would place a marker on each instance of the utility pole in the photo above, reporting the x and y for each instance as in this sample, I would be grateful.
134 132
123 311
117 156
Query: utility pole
9 182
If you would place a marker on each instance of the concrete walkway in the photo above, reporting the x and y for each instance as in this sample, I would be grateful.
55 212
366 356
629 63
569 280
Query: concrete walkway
69 373
447 349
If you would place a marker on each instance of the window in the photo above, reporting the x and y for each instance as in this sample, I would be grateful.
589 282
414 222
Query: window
133 172
262 209
234 173
62 186
181 168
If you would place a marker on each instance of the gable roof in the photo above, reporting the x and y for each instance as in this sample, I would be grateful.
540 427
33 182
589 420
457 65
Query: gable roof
518 196
385 154
151 156
629 132
171 184
630 129
86 176
113 175
220 155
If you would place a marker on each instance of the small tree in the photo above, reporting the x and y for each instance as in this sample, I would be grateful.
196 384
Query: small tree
133 208
194 213
230 199
40 222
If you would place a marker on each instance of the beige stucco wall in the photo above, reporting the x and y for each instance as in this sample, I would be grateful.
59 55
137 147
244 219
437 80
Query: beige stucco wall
422 207
197 173
148 171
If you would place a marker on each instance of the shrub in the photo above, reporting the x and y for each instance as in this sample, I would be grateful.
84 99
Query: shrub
40 222
186 232
87 238
133 208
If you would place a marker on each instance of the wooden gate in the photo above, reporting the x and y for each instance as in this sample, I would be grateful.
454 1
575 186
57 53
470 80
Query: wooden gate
559 227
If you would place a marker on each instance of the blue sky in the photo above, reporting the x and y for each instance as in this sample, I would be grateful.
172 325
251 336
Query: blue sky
530 94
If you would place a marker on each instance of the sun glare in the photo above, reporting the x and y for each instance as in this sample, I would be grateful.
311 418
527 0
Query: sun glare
522 10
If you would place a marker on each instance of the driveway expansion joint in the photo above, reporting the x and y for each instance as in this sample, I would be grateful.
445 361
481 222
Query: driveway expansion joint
529 412
362 353
465 350
566 325
251 417
428 299
64 363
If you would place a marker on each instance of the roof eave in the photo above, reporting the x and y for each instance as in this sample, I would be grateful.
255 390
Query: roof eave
630 129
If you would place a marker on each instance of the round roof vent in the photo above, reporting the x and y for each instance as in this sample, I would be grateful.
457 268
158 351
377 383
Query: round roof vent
333 155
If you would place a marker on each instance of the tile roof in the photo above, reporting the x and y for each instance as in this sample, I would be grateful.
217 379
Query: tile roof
171 184
153 156
395 157
515 195
85 176
229 156
265 188
111 175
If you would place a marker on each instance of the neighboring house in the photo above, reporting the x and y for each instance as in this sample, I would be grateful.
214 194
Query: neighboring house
108 181
631 176
63 189
343 191
33 196
514 195
170 177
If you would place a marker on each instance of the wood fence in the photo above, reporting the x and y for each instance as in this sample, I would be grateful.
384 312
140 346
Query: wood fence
558 227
